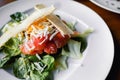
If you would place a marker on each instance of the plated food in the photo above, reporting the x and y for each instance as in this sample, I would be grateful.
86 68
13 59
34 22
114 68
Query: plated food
36 45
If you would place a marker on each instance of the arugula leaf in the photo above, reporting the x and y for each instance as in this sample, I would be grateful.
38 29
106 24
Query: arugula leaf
18 16
74 49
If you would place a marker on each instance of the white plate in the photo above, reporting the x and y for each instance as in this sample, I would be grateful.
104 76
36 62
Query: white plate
100 51
111 5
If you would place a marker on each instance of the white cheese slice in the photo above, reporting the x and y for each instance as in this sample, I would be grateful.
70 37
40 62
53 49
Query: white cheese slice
39 6
56 22
24 25
62 27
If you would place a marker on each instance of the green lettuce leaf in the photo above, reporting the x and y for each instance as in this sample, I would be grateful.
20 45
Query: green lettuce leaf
83 39
73 49
4 60
11 47
49 62
9 26
61 63
36 75
86 33
21 68
71 25
25 68
18 16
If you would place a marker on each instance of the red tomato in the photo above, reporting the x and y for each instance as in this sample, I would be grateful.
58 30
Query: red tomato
27 48
39 43
50 48
60 41
33 46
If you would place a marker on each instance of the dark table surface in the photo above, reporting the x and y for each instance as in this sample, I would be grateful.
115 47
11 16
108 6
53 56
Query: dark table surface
113 22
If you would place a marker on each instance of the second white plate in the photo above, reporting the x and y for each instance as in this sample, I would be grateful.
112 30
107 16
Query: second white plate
111 5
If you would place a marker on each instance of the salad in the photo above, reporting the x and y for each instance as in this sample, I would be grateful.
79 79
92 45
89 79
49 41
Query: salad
36 45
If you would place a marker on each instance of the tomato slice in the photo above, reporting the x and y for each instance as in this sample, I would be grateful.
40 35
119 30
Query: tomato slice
50 48
39 43
60 40
34 45
27 48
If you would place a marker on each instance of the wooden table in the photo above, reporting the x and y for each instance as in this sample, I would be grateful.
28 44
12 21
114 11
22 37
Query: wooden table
113 22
